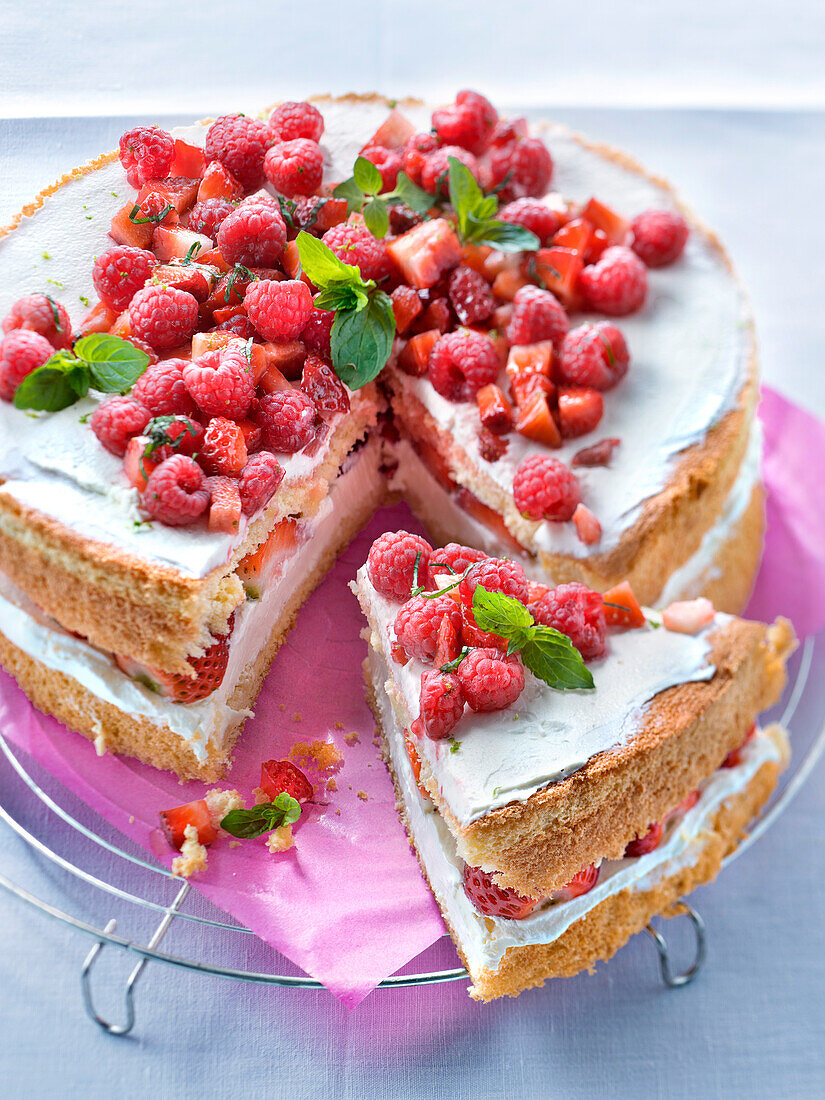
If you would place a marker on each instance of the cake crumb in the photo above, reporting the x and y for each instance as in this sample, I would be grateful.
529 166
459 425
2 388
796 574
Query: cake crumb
260 795
296 716
363 795
193 855
338 725
100 739
281 839
337 813
220 802
352 737
131 819
323 754
234 844
331 785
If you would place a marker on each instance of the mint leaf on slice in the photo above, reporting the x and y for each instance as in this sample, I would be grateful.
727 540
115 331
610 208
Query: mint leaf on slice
505 236
499 614
323 268
248 824
415 197
115 364
51 388
476 214
552 657
377 218
350 191
366 176
362 340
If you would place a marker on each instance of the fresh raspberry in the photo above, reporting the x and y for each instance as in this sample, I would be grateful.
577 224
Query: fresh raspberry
593 355
295 167
292 120
21 352
223 451
453 559
253 234
493 900
461 363
279 310
523 168
40 313
494 575
435 172
463 124
221 382
239 143
442 703
259 479
659 237
418 622
209 670
391 564
146 153
163 316
537 315
576 611
175 492
579 884
532 214
648 842
580 409
544 488
162 390
207 216
617 283
387 161
491 447
287 420
120 272
116 420
320 382
491 680
317 332
415 154
355 245
282 777
470 296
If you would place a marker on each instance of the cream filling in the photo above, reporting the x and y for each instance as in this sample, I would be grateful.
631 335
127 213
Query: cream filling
485 940
204 723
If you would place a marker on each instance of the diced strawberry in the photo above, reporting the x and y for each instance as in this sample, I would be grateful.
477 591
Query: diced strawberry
415 355
621 608
282 777
218 183
602 217
415 764
224 504
685 805
226 313
282 538
192 278
425 252
502 316
177 243
494 409
435 316
476 256
448 645
99 319
587 526
582 883
493 900
535 420
598 243
523 386
688 616
406 306
124 231
178 191
508 283
327 213
575 235
490 519
558 270
174 823
122 325
599 454
646 843
288 358
213 257
188 160
291 260
137 467
526 360
393 132
223 448
251 434
735 757
203 342
580 411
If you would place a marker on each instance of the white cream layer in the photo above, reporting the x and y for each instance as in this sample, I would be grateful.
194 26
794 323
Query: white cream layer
204 723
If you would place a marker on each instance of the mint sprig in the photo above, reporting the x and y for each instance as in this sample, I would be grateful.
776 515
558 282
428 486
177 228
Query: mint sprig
363 193
98 361
476 215
248 824
549 654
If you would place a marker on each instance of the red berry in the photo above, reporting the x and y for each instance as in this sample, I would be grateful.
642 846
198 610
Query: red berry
328 393
442 703
493 900
356 246
525 165
577 611
208 215
646 843
175 492
580 884
621 608
221 382
116 420
580 411
223 450
282 777
461 363
435 172
40 313
174 822
588 528
161 388
287 420
616 284
659 237
491 680
447 644
494 575
173 434
278 310
470 296
209 670
292 120
317 330
491 447
537 315
239 143
387 161
224 504
146 153
254 234
418 622
598 455
532 214
295 167
545 488
462 124
163 316
482 106
120 272
391 563
593 355
259 479
415 154
453 559
508 130
21 352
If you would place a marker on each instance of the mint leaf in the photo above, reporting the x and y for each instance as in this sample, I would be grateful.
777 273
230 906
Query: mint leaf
362 340
350 191
476 215
465 193
377 218
366 176
108 363
248 824
115 364
499 614
505 236
323 268
53 386
415 197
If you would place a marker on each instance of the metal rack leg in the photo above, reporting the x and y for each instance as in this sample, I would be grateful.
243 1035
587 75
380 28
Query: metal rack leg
674 981
91 958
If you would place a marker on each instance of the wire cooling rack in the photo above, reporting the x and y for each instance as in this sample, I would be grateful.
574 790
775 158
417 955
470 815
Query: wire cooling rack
158 882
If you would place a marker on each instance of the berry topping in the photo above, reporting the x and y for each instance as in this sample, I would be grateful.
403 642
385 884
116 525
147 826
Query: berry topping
493 900
320 382
254 234
387 161
287 420
582 883
532 214
116 420
195 814
461 363
648 842
209 671
576 611
40 313
580 411
162 389
239 143
587 526
206 217
544 488
621 608
175 492
688 616
223 450
259 479
221 382
435 172
522 168
279 310
391 564
470 296
659 237
593 355
146 153
317 332
495 575
418 622
425 252
356 246
21 352
447 645
453 558
491 680
224 504
598 455
295 167
468 122
162 316
120 272
616 284
291 120
416 150
494 410
442 703
282 777
537 315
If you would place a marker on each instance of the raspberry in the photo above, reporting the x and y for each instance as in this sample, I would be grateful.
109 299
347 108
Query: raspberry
416 151
537 315
355 245
593 355
453 559
491 680
287 420
523 168
317 332
162 390
617 283
174 493
544 488
253 234
461 363
320 382
494 575
532 214
387 161
391 564
461 125
223 451
576 611
278 310
21 352
291 120
120 272
659 236
493 900
207 216
116 420
163 316
295 167
221 382
40 313
418 622
435 172
239 143
259 479
442 703
146 153
470 296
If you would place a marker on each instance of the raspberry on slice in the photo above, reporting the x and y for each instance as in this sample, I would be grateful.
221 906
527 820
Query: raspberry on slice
279 310
120 272
146 152
435 172
453 559
442 703
239 143
356 246
659 237
461 363
21 352
537 315
207 216
175 492
163 316
531 214
593 355
254 234
162 389
387 161
470 296
416 151
544 488
223 450
418 622
391 564
616 284
292 120
259 479
523 167
295 167
116 420
320 382
317 332
494 575
491 680
42 314
221 382
576 611
493 900
287 420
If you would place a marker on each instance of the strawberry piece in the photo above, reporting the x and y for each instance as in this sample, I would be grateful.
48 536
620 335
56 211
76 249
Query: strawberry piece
557 269
99 319
202 342
223 450
288 358
646 843
188 160
535 421
124 231
580 411
213 257
282 777
209 671
136 466
688 616
224 504
575 235
494 409
685 805
291 261
322 384
426 252
587 526
218 183
493 900
399 654
415 355
448 645
508 283
177 243
394 131
435 316
406 306
608 221
177 191
282 539
582 883
735 757
174 823
415 764
251 434
599 454
475 256
621 608
192 278
525 364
